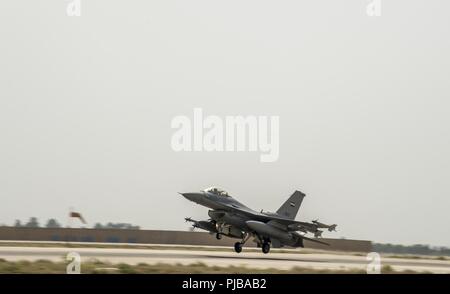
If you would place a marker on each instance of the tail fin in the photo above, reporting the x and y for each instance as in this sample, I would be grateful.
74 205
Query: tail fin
290 208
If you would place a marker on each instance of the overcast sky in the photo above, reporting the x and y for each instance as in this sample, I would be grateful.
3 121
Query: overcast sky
86 105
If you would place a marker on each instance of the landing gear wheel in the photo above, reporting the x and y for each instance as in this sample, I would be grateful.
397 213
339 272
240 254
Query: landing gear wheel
218 236
265 247
238 247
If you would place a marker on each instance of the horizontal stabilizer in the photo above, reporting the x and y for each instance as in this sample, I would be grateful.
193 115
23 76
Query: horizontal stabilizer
315 240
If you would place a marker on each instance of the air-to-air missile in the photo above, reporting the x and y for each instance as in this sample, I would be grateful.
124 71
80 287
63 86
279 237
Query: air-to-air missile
324 226
204 225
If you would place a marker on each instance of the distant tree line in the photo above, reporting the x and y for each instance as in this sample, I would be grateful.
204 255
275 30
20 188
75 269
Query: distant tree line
33 222
412 249
116 226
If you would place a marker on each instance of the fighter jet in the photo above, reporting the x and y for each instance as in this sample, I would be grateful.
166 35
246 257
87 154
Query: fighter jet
233 219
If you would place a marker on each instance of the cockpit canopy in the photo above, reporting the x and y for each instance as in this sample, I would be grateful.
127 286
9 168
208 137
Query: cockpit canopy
216 191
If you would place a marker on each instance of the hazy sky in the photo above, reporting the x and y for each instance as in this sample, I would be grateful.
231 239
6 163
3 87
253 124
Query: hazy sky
86 104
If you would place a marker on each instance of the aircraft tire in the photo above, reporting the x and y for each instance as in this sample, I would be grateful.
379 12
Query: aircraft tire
265 247
218 236
238 247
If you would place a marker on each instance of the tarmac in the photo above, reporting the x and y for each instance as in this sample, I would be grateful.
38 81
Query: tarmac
225 257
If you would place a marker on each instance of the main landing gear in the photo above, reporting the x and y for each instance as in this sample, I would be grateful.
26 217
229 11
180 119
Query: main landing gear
264 244
238 247
265 247
218 236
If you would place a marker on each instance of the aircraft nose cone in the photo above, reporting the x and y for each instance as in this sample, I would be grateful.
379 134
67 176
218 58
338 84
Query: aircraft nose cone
191 196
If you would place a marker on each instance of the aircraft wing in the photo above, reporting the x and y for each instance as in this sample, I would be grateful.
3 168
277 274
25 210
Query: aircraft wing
291 225
263 217
297 226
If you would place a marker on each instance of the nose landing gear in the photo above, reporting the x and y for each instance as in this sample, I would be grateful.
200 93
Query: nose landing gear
238 245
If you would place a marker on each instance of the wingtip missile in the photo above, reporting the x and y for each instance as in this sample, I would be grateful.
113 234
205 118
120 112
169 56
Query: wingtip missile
189 219
330 228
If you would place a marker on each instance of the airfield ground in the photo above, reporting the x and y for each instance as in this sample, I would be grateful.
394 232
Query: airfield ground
27 257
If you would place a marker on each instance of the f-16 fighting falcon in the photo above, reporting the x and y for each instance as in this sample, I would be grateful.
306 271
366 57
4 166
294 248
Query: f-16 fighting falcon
269 229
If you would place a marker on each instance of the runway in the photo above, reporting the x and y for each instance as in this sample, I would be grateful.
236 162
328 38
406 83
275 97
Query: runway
332 261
